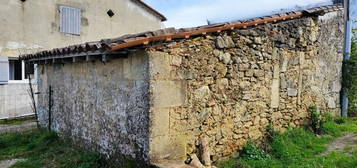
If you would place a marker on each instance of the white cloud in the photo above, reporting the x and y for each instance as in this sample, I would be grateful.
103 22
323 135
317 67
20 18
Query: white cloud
228 10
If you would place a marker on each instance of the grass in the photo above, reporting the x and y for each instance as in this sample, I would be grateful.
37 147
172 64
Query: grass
16 121
42 148
299 148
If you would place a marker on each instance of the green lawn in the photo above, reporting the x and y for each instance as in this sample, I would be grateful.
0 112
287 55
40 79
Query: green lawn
299 148
41 148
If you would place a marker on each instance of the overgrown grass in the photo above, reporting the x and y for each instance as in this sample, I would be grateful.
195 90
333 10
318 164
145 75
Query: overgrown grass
299 147
41 148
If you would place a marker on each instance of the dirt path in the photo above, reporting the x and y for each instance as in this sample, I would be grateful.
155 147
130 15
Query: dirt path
15 128
9 163
345 144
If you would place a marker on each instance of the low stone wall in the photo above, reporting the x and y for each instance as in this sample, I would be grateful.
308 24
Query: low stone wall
101 105
231 85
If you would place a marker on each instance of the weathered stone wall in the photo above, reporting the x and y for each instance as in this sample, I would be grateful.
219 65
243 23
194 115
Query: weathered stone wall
231 85
103 105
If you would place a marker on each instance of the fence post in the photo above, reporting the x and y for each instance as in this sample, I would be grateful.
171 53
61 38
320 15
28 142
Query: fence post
49 107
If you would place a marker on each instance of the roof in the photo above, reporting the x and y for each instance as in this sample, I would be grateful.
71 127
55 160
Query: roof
127 43
150 9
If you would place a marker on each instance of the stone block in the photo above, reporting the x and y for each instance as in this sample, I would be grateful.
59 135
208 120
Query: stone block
275 94
249 73
244 66
283 83
160 122
331 102
225 58
160 65
259 73
276 72
176 61
302 59
284 65
275 54
202 93
292 92
168 148
247 96
168 93
222 83
224 42
258 40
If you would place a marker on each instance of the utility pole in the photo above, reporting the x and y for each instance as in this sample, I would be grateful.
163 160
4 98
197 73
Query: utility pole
346 57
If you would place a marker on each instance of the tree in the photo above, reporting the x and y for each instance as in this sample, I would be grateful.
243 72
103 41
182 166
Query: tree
351 79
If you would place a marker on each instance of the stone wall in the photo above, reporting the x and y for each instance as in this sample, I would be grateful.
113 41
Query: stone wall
155 104
101 105
229 86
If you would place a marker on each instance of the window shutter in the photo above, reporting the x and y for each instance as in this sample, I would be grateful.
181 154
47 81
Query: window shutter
4 70
70 20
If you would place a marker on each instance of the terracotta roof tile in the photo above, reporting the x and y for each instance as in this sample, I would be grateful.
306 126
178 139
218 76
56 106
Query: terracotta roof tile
132 40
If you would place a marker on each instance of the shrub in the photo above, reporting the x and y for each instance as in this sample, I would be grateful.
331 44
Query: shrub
316 120
251 152
340 120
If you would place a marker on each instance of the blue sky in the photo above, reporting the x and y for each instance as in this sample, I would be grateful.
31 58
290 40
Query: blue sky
354 12
189 13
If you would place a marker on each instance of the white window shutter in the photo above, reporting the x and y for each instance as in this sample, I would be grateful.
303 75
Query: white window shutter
70 20
4 70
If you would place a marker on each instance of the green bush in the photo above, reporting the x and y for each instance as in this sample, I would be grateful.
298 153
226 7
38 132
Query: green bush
316 120
251 152
340 120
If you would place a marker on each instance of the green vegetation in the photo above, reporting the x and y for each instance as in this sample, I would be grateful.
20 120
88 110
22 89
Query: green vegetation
41 148
16 121
299 147
251 152
350 79
317 120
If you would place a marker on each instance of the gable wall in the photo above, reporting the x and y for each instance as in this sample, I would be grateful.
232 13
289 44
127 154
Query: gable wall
34 25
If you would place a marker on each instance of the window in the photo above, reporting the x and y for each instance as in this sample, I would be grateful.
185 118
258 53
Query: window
70 20
15 70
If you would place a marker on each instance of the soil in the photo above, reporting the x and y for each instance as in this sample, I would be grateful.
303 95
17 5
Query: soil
344 144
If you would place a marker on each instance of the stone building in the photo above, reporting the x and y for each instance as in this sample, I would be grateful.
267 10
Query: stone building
150 96
28 26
